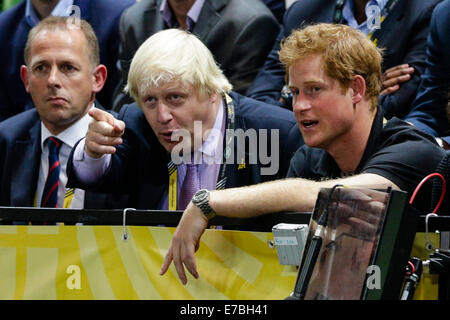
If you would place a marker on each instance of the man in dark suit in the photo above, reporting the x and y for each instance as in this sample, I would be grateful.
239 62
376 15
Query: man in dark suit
402 35
63 76
187 131
15 24
429 108
239 33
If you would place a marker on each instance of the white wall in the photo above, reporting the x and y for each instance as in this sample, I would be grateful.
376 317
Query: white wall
289 2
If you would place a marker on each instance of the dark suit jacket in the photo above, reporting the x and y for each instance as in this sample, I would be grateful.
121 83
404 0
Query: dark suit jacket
278 8
403 35
103 15
429 108
239 34
139 166
20 159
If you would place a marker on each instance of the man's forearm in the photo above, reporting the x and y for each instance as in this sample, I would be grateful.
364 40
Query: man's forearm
293 194
281 195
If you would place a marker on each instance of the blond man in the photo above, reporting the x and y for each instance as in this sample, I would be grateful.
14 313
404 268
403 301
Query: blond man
184 106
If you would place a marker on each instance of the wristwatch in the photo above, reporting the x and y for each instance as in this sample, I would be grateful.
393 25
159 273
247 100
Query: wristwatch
201 200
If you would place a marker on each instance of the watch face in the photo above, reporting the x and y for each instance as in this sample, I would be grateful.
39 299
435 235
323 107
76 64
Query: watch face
200 195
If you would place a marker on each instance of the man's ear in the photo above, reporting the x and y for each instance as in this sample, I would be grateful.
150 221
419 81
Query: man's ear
213 97
100 73
24 77
358 88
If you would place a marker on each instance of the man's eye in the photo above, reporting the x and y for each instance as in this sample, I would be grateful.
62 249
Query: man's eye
312 90
40 68
294 92
175 98
150 102
68 67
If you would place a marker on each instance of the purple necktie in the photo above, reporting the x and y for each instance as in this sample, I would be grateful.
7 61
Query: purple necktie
190 186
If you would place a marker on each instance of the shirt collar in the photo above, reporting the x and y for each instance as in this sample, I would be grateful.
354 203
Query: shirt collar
327 165
60 10
349 16
71 135
215 138
372 142
195 10
192 15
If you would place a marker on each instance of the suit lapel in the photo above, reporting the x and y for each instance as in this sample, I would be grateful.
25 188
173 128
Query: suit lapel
84 8
208 18
158 173
240 172
391 23
25 172
154 21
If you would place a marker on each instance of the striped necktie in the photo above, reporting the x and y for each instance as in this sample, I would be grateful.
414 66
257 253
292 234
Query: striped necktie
191 184
50 195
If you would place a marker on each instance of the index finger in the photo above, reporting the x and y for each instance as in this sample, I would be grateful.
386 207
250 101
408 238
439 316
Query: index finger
400 66
398 73
101 115
178 263
167 262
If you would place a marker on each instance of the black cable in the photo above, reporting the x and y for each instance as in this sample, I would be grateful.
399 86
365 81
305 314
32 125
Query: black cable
412 280
304 277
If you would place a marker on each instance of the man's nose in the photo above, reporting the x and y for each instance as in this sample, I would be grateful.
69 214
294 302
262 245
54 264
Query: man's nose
300 104
54 77
164 115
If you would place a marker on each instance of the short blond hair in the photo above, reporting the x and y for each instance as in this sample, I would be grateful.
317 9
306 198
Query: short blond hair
346 52
66 24
175 55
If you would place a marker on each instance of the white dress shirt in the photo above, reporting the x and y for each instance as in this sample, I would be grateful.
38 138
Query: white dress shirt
69 138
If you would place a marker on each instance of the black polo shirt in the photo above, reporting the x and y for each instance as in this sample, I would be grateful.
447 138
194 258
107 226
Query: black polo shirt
396 150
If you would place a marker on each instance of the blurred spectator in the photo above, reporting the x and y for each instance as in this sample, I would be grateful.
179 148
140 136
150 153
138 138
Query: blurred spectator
278 7
16 22
239 33
6 4
63 76
429 108
402 35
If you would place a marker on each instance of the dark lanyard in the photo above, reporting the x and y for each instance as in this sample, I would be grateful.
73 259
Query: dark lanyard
229 140
338 16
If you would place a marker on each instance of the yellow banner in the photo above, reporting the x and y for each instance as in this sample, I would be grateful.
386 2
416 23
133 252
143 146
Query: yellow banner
94 262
